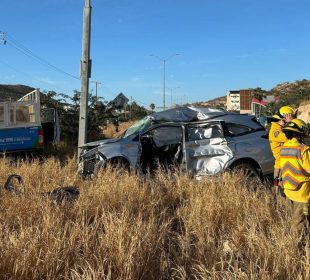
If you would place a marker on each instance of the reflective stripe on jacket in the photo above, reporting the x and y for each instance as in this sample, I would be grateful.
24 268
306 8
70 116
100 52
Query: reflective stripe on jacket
295 170
276 138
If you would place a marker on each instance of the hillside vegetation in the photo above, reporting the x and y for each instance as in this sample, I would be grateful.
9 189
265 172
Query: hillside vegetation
294 93
297 87
13 92
126 226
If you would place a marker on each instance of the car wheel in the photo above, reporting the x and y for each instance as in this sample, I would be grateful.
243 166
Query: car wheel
246 169
119 163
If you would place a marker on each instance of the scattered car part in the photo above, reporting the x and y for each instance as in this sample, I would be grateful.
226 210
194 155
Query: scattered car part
60 194
9 185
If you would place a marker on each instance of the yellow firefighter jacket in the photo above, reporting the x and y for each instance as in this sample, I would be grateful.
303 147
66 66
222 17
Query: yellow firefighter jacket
295 170
276 138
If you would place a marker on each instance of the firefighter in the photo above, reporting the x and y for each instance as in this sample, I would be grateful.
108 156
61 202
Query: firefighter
277 138
295 173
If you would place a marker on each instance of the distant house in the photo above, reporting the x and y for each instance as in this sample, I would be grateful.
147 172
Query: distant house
119 102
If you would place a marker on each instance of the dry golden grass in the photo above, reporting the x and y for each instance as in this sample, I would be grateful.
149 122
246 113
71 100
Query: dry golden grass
128 227
110 130
305 102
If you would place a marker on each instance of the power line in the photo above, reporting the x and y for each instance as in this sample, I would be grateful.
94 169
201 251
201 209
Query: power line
24 50
26 74
31 76
16 70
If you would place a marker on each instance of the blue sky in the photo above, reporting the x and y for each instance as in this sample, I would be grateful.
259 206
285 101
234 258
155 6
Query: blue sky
223 45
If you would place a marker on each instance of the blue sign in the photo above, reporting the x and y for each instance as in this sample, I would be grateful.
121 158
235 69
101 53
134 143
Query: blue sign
21 138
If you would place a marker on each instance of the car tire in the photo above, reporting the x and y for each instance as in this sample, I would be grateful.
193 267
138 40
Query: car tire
119 163
246 169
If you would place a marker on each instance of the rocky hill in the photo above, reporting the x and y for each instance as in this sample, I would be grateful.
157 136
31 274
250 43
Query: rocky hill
293 93
304 112
291 88
219 102
13 92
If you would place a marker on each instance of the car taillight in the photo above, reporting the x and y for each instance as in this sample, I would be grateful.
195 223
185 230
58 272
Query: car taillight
41 137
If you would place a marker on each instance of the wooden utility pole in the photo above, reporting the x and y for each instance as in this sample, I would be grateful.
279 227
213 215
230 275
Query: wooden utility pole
97 83
85 75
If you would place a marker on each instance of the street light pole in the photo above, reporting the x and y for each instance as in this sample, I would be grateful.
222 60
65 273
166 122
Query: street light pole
164 60
171 90
164 101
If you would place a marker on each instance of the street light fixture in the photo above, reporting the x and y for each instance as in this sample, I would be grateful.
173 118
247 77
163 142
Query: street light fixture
164 60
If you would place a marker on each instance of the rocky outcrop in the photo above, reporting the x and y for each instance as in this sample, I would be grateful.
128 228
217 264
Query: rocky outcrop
304 112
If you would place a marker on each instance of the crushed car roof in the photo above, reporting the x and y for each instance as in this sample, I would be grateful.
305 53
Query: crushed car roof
187 114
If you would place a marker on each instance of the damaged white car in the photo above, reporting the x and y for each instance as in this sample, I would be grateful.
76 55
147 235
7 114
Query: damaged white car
200 141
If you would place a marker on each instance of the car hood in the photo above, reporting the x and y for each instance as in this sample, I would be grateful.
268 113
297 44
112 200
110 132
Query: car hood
100 142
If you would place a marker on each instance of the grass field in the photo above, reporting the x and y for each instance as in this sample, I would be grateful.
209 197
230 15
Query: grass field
128 227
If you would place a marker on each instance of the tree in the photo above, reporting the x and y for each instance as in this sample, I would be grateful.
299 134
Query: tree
259 93
138 112
270 109
68 109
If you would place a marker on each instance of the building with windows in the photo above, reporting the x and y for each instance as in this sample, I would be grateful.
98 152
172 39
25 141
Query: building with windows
239 101
243 102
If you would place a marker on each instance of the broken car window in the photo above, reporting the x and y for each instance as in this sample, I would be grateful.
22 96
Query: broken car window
166 135
205 132
237 129
138 127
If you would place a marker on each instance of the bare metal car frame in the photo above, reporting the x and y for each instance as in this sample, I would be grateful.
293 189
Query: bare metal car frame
201 141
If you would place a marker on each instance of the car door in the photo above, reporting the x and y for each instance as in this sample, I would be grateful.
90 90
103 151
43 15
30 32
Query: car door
246 142
206 149
162 144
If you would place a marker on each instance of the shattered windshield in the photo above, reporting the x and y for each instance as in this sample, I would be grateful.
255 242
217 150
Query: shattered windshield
138 127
